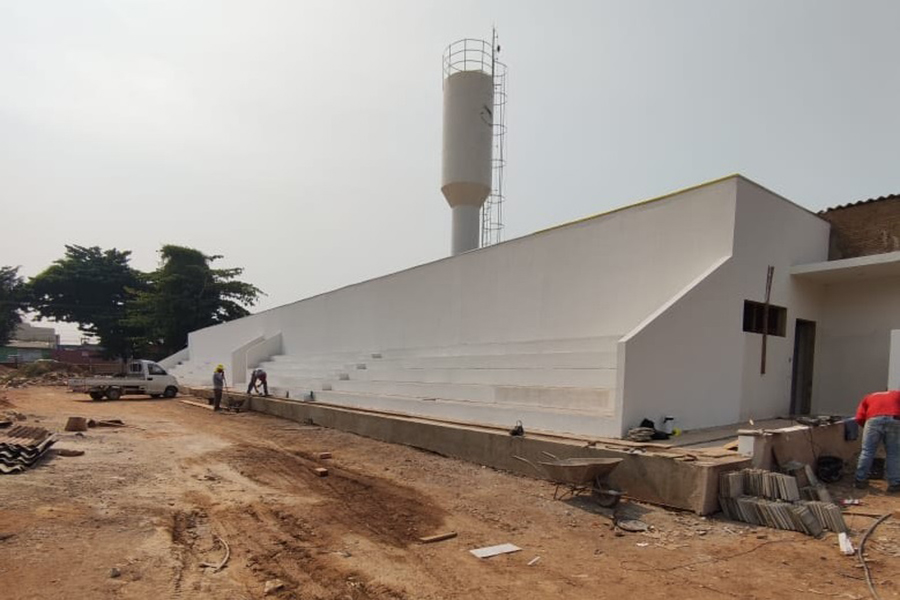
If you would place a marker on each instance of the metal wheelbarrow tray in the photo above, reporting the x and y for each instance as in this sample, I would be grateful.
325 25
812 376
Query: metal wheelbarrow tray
579 475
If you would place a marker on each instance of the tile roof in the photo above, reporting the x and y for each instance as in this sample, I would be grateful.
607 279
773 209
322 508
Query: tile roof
858 202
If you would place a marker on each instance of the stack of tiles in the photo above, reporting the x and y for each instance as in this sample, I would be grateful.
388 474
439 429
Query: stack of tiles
22 447
774 500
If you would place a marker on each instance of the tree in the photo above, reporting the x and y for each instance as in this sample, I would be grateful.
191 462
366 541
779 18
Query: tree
184 294
11 302
90 286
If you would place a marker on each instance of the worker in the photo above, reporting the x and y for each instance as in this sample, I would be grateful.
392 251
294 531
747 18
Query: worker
263 381
218 386
879 413
252 385
258 378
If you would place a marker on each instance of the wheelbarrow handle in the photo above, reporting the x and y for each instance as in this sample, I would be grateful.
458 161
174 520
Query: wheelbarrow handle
525 460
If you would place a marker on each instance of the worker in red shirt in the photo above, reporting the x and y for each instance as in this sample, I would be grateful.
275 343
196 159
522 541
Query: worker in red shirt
880 413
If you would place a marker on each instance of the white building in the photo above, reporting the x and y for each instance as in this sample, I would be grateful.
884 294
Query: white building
587 328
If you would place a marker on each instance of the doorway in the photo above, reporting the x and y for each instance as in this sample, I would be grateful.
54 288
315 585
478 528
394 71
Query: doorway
802 375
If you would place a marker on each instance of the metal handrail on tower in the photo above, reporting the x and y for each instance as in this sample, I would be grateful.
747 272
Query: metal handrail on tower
468 54
492 209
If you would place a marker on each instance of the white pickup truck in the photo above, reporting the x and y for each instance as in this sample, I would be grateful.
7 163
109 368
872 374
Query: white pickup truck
143 377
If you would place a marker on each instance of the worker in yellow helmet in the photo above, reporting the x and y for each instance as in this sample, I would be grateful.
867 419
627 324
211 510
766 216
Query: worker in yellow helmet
218 385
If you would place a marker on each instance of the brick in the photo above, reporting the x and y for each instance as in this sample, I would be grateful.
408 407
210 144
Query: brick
323 455
321 472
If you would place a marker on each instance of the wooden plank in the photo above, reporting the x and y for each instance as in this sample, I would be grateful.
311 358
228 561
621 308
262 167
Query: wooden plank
732 445
438 538
197 404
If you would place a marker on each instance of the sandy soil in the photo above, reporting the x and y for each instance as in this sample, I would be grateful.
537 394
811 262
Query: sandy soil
138 513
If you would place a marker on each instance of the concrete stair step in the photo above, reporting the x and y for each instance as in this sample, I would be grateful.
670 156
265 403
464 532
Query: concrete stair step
556 397
604 378
546 360
589 344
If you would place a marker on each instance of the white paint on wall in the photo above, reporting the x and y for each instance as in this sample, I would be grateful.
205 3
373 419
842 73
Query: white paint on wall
693 360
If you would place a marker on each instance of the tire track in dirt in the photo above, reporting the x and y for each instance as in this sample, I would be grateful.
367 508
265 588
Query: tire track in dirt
381 510
293 541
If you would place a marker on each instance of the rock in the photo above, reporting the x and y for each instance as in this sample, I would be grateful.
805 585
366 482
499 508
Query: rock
272 586
114 572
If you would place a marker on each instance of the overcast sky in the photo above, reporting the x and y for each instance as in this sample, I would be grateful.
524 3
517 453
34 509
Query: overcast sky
302 140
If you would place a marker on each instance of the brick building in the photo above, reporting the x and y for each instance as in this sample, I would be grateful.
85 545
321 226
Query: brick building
864 228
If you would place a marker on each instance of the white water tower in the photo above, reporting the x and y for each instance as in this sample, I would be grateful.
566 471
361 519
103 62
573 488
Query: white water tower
467 166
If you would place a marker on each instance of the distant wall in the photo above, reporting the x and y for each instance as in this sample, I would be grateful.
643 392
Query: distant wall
866 228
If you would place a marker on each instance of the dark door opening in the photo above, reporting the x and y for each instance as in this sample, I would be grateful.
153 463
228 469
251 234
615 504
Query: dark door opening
802 376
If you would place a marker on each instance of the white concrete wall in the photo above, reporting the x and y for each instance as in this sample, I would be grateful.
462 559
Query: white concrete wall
597 277
172 360
264 350
693 360
853 351
600 276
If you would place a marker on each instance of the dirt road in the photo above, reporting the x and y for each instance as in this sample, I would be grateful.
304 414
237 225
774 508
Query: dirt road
138 513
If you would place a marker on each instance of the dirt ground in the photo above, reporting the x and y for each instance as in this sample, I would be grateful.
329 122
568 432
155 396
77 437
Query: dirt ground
138 513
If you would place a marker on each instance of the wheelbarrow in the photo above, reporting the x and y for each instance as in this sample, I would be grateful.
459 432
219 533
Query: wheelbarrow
575 476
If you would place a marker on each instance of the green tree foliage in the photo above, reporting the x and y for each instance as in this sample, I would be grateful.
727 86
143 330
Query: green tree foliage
90 286
184 294
11 302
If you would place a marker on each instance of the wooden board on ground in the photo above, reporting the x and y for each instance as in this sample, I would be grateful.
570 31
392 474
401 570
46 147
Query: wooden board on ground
438 538
197 404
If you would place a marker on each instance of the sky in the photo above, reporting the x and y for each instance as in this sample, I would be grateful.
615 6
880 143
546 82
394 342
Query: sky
301 140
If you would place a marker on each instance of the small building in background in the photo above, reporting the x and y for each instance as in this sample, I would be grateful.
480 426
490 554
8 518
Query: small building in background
28 344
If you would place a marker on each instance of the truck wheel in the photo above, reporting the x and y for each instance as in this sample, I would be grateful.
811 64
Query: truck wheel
154 396
170 392
113 393
96 395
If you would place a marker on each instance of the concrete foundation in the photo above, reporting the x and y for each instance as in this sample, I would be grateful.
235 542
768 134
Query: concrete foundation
653 473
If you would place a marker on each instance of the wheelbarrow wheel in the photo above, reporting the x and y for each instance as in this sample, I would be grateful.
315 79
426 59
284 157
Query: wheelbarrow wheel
606 498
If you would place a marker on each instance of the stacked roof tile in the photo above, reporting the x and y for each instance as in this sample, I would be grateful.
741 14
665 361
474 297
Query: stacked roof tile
22 447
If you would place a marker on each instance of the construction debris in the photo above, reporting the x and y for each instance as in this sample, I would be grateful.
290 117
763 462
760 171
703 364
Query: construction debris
221 564
76 424
774 500
321 472
845 544
22 447
39 374
490 551
438 538
106 423
324 455
534 561
272 586
197 404
68 452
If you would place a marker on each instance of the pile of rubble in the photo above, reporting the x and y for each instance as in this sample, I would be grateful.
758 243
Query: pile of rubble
21 447
38 374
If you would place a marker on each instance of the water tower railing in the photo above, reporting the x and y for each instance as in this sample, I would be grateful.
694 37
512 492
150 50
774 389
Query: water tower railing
468 55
